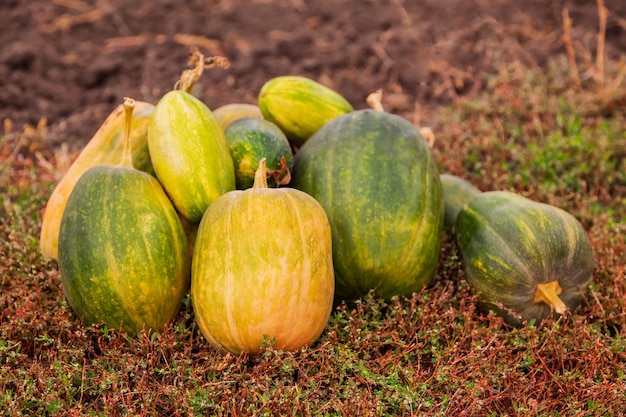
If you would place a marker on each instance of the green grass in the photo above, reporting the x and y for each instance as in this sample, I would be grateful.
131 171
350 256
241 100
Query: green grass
433 353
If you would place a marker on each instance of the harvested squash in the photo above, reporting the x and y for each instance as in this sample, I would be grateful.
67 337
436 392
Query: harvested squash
262 269
524 259
188 149
228 113
378 182
300 106
251 140
123 252
456 193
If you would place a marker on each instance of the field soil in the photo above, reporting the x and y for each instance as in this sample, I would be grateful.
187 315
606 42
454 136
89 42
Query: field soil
65 64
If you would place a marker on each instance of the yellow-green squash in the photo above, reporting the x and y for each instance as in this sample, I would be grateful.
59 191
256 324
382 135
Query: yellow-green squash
228 113
300 106
189 153
262 269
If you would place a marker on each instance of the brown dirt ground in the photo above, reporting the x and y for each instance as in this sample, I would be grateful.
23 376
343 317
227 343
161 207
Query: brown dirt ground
71 62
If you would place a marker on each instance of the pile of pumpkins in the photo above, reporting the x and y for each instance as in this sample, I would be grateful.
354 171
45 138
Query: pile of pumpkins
267 213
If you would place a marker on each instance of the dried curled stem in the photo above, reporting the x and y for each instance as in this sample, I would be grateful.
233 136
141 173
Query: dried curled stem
190 76
282 176
428 135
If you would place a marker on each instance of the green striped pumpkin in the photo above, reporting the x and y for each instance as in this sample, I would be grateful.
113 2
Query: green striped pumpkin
524 259
122 251
104 148
378 182
250 140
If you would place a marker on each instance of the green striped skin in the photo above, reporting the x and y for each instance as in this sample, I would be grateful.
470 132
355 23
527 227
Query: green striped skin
250 140
378 182
189 153
510 244
123 253
262 265
456 193
300 106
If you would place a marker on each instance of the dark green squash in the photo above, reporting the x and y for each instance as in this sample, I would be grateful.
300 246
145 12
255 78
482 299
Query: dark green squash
123 252
377 180
524 259
250 140
104 148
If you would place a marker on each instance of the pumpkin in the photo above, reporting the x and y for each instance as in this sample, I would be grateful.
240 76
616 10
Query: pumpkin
456 193
378 182
231 112
524 259
262 269
104 148
300 106
250 140
123 254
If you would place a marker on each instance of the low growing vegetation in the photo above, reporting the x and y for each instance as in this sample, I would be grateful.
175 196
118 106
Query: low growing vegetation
433 353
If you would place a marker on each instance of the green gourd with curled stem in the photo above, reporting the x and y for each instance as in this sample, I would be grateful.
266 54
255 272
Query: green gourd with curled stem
188 148
123 253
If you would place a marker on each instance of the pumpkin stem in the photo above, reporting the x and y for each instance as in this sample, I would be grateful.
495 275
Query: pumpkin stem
127 153
260 175
375 100
189 77
548 293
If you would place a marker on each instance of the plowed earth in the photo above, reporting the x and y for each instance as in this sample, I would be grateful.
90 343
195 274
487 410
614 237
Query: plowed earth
68 63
